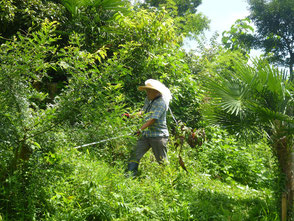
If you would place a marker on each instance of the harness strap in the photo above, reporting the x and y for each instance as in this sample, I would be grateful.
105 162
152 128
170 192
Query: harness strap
150 104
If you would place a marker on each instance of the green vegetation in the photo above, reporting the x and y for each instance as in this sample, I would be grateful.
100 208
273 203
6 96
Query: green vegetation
70 69
87 185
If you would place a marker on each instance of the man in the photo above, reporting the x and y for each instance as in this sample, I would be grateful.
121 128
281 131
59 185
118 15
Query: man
153 133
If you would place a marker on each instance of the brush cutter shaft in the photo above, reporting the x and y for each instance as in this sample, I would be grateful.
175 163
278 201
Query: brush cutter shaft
101 141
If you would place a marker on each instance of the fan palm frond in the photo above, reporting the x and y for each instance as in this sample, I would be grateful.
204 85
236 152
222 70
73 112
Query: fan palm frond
258 94
268 115
231 94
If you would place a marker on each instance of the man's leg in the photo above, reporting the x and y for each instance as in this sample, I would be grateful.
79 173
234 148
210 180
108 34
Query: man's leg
159 148
138 152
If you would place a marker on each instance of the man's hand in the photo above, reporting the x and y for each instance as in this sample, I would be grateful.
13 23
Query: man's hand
144 126
138 133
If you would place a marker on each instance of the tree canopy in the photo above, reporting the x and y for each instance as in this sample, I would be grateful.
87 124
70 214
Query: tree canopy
275 29
188 21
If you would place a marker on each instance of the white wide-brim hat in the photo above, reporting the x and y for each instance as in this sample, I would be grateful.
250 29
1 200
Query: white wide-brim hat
158 86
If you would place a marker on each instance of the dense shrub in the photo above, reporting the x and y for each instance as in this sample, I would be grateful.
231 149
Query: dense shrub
224 157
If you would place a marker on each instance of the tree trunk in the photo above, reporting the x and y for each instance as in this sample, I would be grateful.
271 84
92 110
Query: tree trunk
21 154
285 153
291 72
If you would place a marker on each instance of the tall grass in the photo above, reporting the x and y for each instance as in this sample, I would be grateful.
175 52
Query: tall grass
91 184
90 189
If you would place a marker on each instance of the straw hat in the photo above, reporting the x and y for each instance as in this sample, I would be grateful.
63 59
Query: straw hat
158 86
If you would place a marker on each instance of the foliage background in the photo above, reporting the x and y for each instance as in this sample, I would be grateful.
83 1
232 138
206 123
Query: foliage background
69 70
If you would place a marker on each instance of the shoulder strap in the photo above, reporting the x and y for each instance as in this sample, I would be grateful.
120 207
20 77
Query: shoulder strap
150 105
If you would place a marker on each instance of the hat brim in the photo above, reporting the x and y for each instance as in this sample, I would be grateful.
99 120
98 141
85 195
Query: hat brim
143 88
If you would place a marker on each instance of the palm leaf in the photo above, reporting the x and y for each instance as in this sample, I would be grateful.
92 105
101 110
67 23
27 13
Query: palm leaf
269 115
230 94
255 95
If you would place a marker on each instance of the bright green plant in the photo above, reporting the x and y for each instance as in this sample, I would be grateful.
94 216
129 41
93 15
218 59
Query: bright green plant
25 117
225 158
24 62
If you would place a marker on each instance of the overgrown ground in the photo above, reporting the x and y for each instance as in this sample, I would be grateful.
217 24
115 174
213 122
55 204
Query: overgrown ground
100 192
225 181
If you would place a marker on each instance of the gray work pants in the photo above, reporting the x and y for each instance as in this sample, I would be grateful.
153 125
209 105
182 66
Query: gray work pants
158 145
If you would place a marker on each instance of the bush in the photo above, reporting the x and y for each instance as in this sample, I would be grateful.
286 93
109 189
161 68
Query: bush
225 158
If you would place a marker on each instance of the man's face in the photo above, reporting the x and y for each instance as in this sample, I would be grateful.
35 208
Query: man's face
151 94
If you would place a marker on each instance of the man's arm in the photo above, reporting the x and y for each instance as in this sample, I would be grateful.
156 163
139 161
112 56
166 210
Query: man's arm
144 126
148 123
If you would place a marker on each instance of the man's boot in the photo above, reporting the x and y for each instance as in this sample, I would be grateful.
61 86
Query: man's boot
133 167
